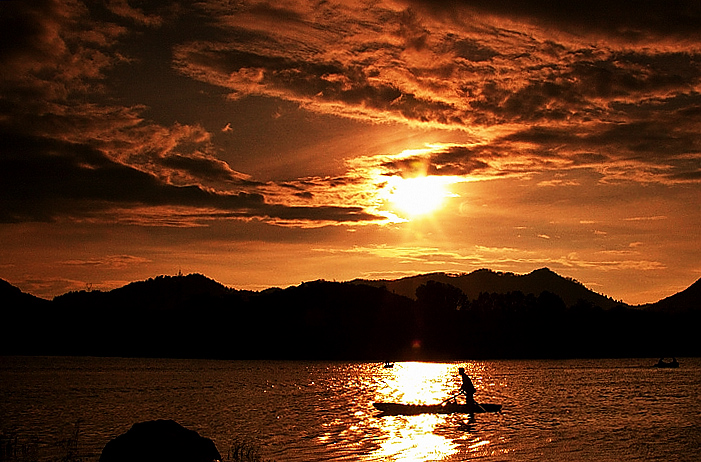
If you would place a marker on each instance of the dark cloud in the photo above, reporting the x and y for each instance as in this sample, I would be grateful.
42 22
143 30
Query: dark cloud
647 140
461 161
449 161
470 49
651 140
335 214
583 89
688 176
43 179
632 77
617 18
643 151
545 136
588 158
203 168
313 83
137 15
51 50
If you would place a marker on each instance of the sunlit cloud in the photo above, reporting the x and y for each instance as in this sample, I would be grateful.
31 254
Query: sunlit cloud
387 63
654 218
504 259
618 264
558 182
109 261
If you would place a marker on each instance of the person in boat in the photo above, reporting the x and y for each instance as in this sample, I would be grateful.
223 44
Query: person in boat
467 388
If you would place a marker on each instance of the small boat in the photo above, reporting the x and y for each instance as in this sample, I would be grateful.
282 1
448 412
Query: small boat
388 365
672 364
444 408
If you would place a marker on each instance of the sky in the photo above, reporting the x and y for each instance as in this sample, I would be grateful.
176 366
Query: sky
267 143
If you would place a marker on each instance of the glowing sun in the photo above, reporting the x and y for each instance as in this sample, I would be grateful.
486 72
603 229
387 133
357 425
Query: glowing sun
418 196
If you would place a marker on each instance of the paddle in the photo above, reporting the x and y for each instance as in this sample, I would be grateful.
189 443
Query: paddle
450 397
460 393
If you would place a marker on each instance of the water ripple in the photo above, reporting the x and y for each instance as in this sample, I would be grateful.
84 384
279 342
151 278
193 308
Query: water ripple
312 411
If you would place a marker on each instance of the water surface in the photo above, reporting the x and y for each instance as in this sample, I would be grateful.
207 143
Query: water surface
313 411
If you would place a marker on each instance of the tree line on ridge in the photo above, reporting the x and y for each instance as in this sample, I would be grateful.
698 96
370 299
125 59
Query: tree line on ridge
193 316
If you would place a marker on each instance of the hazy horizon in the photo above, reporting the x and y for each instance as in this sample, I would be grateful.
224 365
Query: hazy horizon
261 289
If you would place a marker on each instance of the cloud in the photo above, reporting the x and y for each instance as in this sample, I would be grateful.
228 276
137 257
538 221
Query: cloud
611 19
69 153
59 178
667 152
396 64
620 264
625 107
123 9
441 160
558 183
48 287
109 261
551 88
652 218
50 50
201 167
498 258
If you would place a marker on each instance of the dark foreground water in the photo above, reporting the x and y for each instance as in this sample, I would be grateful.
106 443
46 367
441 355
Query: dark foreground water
603 410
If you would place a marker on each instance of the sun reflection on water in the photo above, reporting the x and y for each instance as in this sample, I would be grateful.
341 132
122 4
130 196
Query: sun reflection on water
417 383
419 437
413 438
435 437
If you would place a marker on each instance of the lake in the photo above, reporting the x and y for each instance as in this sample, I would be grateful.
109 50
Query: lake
603 410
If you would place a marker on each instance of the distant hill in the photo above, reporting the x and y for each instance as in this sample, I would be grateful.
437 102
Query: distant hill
160 293
487 281
483 314
20 314
11 296
688 300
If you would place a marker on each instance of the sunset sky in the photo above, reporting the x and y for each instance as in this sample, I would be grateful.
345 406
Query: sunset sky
267 143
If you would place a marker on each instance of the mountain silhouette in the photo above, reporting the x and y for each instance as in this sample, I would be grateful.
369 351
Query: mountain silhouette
161 293
688 300
437 316
12 296
488 281
21 318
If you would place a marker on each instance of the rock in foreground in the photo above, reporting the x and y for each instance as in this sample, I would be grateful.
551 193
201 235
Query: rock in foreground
160 441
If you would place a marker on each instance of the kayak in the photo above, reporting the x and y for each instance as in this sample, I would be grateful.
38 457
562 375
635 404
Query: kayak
445 408
666 365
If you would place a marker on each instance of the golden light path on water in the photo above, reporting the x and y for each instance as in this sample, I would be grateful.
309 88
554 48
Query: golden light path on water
418 437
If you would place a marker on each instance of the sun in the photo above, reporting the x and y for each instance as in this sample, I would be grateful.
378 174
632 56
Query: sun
418 196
